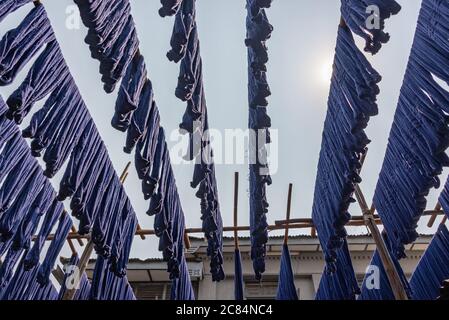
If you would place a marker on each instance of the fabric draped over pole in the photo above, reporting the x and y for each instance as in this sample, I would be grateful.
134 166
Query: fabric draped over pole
433 268
366 18
21 44
238 276
258 31
418 139
23 206
185 48
112 39
70 273
375 284
339 283
286 284
9 6
351 103
63 130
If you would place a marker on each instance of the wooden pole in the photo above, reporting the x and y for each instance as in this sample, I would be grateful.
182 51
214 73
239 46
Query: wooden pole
187 244
236 203
434 215
390 269
289 206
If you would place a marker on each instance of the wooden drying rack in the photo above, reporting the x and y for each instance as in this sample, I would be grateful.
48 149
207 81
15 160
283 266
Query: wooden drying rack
368 218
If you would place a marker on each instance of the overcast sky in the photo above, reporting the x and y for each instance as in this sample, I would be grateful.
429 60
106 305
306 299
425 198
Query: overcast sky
301 51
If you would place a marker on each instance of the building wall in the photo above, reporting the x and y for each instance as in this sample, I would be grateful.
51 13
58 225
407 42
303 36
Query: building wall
307 263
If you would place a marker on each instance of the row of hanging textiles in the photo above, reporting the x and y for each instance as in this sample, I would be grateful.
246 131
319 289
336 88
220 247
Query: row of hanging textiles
352 101
61 131
414 160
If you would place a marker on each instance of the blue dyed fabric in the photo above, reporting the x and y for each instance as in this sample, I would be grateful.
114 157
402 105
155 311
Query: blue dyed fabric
351 103
185 48
258 31
433 268
360 15
169 7
64 130
113 41
239 293
107 285
286 285
48 71
381 289
129 95
19 45
339 282
112 37
9 6
415 155
83 292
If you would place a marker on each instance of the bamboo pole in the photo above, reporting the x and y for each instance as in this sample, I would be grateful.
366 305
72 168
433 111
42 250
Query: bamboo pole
187 244
390 269
289 206
434 215
236 203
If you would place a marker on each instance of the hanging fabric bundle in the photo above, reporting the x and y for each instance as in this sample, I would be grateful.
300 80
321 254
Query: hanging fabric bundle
24 286
63 128
418 139
33 283
286 285
352 101
19 45
376 285
48 71
70 275
12 216
366 18
433 268
238 276
185 48
64 226
258 31
9 6
112 37
339 282
169 227
169 7
130 92
108 285
181 286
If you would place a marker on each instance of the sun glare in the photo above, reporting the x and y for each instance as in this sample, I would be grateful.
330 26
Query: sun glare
326 72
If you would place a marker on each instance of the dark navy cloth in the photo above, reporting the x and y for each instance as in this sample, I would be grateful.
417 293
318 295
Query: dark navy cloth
70 273
359 14
415 154
384 291
19 45
9 6
238 277
286 284
185 48
258 31
432 269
